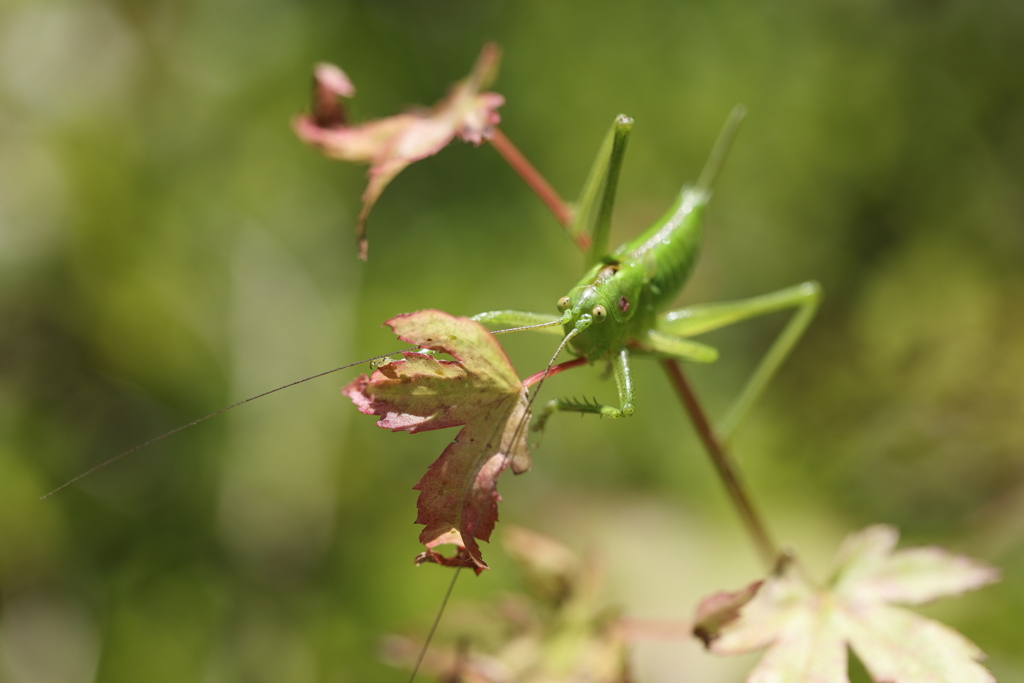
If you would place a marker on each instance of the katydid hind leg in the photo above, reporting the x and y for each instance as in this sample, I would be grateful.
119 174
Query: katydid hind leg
721 149
597 198
624 384
804 298
661 344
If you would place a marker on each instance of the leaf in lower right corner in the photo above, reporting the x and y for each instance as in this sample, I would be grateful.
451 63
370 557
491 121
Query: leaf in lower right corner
808 628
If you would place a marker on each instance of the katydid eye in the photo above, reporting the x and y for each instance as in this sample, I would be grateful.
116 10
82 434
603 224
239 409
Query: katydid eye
599 313
563 303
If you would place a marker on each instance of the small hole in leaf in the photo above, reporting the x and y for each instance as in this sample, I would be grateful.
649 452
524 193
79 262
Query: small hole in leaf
857 672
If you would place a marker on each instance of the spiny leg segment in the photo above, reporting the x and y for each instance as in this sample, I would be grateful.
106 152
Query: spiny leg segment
627 400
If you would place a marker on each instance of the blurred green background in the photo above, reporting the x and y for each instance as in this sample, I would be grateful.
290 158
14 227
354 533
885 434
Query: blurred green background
167 247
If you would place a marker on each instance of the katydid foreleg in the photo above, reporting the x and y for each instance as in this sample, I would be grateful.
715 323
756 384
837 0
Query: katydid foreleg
545 323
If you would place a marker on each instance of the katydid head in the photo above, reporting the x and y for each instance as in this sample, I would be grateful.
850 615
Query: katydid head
586 318
600 308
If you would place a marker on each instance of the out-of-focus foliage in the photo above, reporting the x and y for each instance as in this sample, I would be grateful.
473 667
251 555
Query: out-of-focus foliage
558 629
809 628
168 246
392 143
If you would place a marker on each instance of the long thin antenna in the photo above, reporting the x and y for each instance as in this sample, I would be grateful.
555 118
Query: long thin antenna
721 149
547 370
515 436
556 321
540 382
433 627
214 414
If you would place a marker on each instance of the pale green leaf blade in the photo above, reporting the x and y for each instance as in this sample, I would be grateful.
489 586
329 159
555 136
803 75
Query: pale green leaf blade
898 646
464 339
869 567
919 575
808 649
805 625
863 553
779 600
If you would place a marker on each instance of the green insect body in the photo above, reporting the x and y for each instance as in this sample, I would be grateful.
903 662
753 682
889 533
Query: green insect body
620 306
629 287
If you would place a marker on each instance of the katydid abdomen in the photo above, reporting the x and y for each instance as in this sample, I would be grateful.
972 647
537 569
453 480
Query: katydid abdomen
670 247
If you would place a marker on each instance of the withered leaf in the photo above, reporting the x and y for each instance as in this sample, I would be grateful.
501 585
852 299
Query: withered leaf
718 609
478 391
390 144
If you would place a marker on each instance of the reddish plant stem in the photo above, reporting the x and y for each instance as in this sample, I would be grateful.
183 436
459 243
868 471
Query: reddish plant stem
553 370
533 178
723 463
633 630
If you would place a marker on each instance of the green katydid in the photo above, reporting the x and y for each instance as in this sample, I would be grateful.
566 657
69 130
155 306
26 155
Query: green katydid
618 308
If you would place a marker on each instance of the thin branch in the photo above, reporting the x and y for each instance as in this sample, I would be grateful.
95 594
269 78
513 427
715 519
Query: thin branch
723 464
553 370
533 178
433 627
671 630
215 413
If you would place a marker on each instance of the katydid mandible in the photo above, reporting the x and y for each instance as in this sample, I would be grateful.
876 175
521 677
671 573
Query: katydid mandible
619 307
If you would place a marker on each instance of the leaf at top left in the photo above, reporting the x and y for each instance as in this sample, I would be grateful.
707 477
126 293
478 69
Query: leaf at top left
479 391
392 143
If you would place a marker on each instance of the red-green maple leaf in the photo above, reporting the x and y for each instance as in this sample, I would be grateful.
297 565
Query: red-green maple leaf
390 144
478 391
807 628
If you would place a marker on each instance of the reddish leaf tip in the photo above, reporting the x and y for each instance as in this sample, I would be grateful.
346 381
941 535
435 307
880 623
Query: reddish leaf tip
461 558
715 611
329 85
392 143
332 79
